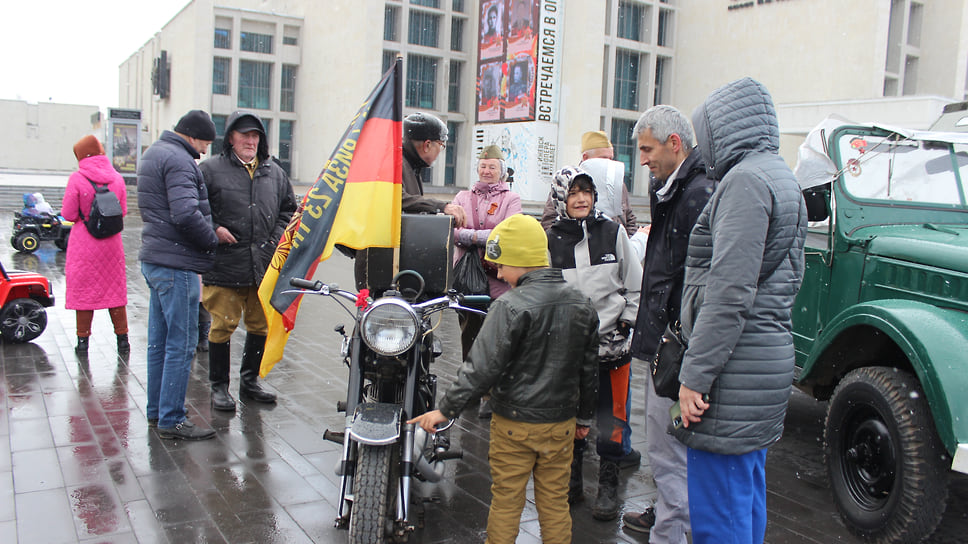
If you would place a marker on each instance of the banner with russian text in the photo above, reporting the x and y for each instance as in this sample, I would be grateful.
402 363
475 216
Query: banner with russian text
355 202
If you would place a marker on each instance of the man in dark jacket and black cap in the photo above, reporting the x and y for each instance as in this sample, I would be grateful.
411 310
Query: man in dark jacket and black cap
678 192
177 244
424 139
252 202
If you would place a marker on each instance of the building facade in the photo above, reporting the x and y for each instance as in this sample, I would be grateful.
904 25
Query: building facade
305 66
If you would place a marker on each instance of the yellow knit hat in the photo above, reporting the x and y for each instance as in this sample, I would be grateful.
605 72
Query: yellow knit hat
518 241
594 140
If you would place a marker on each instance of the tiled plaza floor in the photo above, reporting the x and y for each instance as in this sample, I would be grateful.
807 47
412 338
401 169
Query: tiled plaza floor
79 464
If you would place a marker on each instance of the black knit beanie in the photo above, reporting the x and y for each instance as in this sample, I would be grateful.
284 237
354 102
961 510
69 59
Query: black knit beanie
196 124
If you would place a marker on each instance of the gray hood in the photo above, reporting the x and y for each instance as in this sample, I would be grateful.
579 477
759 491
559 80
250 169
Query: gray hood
735 120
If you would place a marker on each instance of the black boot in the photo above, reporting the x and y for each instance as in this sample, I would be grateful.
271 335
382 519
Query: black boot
606 504
218 375
576 490
204 325
124 348
249 387
82 343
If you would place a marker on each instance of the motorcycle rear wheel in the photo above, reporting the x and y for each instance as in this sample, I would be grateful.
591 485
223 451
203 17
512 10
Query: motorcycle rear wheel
374 492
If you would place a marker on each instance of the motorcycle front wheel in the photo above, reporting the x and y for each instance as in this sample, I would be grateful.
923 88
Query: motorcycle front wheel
371 517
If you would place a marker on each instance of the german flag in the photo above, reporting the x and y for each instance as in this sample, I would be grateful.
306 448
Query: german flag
355 202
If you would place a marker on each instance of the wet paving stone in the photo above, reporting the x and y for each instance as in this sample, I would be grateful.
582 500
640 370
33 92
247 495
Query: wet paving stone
79 464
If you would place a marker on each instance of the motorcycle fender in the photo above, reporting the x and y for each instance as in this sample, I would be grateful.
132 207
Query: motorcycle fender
376 423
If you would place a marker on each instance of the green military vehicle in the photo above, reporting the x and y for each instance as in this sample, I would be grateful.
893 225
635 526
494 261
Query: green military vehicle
881 322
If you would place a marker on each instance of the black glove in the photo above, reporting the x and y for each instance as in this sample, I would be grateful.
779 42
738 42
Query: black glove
624 328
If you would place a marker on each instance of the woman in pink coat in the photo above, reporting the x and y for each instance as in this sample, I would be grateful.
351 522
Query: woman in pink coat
487 203
95 269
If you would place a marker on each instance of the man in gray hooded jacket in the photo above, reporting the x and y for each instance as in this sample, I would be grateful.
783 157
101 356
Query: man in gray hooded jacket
744 267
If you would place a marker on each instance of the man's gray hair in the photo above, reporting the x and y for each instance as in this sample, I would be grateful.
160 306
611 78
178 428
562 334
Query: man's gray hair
664 121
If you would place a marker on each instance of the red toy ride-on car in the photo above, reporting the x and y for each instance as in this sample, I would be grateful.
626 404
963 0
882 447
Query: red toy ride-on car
23 299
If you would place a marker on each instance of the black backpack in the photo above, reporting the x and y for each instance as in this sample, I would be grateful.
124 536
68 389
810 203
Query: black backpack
105 218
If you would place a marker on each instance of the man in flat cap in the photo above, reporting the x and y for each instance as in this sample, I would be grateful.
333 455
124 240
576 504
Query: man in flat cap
596 145
252 202
177 244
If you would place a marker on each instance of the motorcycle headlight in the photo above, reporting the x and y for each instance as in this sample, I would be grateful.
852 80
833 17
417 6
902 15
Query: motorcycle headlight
390 327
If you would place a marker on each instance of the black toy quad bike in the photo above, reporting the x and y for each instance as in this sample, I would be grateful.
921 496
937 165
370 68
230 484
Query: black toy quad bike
30 230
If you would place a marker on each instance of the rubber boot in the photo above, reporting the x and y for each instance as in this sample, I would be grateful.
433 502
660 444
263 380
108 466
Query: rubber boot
249 387
576 489
82 343
124 347
218 376
606 504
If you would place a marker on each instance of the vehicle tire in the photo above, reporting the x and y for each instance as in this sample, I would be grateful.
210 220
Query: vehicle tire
22 320
61 243
27 242
888 469
371 517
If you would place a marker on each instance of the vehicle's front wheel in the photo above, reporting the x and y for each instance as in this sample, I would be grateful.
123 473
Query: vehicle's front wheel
27 242
371 517
22 320
887 466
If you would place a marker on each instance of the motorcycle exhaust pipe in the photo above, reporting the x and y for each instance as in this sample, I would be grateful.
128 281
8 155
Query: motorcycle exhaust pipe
432 472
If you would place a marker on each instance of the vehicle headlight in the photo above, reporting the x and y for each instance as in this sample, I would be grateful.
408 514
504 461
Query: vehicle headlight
390 327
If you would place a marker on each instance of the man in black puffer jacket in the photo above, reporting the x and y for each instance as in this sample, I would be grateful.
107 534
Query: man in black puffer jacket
678 192
177 244
252 202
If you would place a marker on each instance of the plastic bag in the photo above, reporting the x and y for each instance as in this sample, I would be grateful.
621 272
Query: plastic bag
469 276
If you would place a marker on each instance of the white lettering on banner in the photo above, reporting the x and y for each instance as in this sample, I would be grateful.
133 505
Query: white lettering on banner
546 99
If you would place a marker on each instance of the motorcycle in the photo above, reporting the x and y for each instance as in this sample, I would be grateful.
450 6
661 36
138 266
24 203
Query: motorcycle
389 354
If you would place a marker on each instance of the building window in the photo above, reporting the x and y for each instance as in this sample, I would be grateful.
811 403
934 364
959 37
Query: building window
665 28
391 14
221 68
453 87
630 21
426 3
255 80
287 95
423 28
450 161
388 59
457 34
223 38
626 94
285 146
661 78
256 43
289 40
421 81
458 6
219 121
624 147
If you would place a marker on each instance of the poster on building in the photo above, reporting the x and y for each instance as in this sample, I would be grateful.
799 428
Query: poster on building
124 147
507 58
530 149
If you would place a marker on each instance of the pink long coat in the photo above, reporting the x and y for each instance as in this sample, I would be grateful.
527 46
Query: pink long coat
95 270
495 203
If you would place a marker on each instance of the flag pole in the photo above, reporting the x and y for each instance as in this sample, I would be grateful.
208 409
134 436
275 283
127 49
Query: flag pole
398 114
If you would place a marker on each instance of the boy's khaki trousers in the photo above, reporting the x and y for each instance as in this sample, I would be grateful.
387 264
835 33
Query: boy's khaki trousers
517 451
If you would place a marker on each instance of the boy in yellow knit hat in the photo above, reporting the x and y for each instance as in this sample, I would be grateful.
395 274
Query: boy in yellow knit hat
537 353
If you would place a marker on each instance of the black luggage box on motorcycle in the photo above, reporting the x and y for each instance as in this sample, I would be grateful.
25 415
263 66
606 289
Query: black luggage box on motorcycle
426 246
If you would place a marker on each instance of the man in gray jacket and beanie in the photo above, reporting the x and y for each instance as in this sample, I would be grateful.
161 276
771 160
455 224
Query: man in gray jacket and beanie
744 267
252 202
